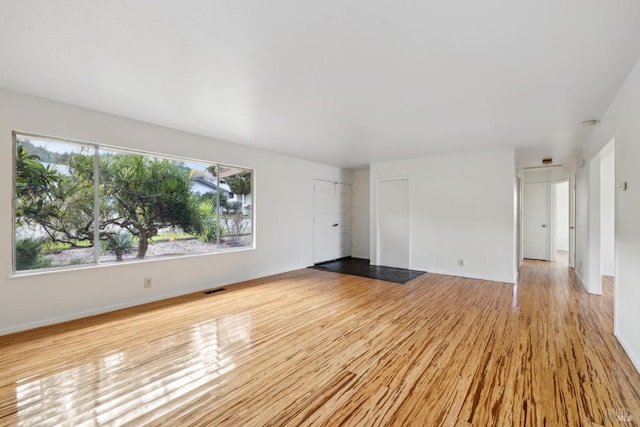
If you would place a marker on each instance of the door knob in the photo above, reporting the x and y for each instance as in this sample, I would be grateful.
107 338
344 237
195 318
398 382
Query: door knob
572 227
544 225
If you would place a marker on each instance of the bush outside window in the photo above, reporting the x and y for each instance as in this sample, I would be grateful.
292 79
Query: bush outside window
80 204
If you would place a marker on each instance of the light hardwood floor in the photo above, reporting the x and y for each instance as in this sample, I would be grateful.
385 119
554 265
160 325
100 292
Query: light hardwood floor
319 348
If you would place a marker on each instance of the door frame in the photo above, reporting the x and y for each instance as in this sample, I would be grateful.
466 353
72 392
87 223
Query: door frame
554 229
572 221
378 181
551 215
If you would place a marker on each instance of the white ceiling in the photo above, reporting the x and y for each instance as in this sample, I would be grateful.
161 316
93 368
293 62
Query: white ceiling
342 82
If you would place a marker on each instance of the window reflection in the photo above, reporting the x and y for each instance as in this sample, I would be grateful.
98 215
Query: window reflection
138 384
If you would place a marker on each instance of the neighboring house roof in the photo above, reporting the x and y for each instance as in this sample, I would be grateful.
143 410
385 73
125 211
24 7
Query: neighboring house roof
209 185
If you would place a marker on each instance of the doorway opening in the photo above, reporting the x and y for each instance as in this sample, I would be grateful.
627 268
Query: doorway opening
601 219
561 222
548 218
607 225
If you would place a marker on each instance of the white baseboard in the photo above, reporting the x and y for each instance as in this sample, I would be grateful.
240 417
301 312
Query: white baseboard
634 359
581 280
133 303
471 276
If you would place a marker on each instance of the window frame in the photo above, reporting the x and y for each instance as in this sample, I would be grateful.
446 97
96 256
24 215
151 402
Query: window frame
96 202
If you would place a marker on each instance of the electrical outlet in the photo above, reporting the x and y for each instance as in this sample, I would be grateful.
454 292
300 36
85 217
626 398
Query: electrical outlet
147 282
460 263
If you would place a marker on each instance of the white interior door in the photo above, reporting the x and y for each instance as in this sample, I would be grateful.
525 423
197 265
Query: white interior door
332 201
393 239
572 222
536 221
343 211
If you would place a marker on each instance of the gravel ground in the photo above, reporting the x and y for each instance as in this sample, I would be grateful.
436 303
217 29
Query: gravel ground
157 249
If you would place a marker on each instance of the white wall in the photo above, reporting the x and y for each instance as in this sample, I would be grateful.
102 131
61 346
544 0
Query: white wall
620 122
360 212
562 216
462 207
607 214
582 224
284 224
594 276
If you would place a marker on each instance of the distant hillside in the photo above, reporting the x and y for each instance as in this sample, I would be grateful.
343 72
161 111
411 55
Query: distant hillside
45 155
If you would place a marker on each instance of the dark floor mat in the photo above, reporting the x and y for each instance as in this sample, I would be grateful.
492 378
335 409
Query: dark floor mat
360 267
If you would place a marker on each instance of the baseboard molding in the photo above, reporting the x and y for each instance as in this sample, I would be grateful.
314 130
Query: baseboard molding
635 360
134 303
581 280
469 276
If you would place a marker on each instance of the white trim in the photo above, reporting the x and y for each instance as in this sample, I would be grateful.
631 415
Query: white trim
572 221
134 303
470 276
554 185
552 221
635 360
582 282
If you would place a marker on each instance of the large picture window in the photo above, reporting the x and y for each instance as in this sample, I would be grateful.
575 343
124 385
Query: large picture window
79 204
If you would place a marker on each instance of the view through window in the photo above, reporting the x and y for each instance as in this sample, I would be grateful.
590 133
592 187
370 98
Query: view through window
80 204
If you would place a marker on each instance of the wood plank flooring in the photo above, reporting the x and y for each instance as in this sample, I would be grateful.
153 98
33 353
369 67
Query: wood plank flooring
320 348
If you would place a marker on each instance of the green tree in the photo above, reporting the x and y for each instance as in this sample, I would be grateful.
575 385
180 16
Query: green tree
240 183
137 194
142 195
72 201
34 185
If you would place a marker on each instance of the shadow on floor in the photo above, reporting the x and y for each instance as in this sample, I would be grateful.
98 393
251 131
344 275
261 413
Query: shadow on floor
360 267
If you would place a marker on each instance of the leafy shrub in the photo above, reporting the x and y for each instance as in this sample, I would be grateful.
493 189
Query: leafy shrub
235 223
211 195
122 240
210 230
30 254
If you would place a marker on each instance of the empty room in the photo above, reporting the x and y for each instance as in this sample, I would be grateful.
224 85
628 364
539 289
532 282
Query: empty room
225 213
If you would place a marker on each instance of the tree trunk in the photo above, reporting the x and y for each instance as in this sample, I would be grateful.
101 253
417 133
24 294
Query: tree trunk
143 245
114 245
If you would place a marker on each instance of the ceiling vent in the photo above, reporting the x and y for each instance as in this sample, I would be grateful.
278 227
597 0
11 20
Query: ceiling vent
547 162
542 167
589 123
